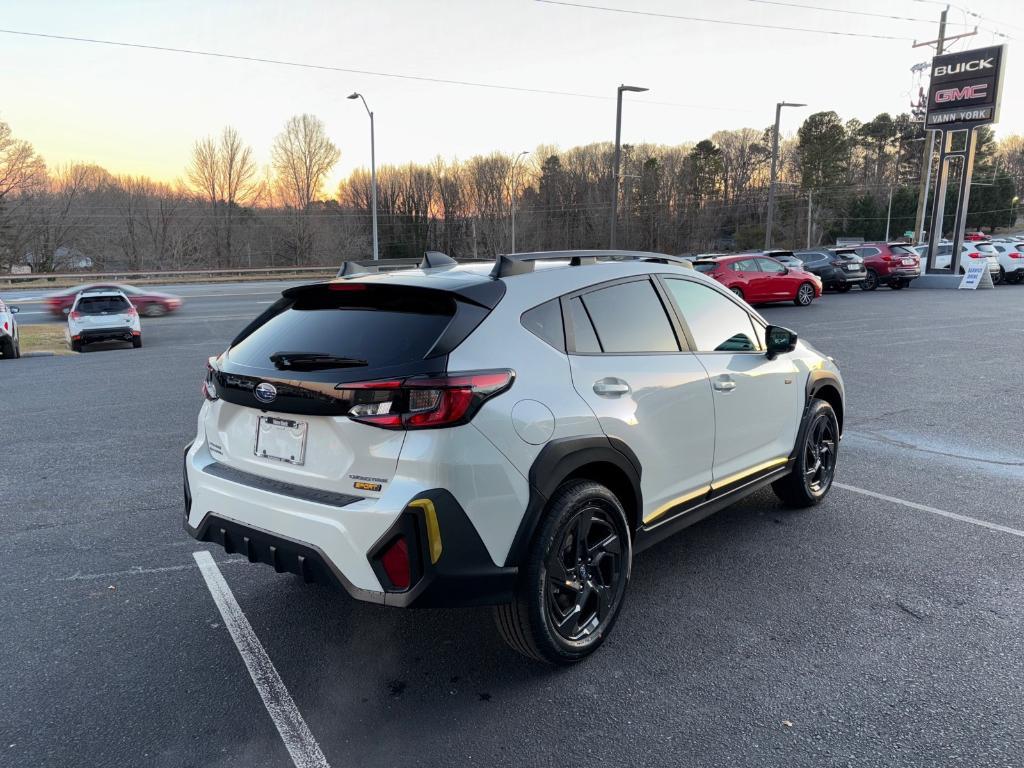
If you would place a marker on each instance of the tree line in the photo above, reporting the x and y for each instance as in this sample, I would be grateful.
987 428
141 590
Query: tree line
836 178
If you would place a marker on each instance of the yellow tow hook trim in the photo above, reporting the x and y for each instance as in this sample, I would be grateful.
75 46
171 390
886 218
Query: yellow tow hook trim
433 529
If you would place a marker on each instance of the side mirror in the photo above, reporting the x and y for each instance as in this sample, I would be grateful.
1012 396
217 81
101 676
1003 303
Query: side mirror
779 340
14 310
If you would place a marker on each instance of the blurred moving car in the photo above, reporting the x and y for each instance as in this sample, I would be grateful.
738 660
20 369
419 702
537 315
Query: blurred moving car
10 342
759 279
149 303
892 264
1011 260
840 269
99 314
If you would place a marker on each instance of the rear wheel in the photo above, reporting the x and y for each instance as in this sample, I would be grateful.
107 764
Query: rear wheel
804 295
1001 277
870 281
897 284
737 291
136 341
77 346
815 465
7 348
573 580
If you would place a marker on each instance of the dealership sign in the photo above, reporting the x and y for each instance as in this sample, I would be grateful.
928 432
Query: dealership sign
965 88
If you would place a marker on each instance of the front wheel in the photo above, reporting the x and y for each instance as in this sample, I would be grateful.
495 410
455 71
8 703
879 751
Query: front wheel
815 465
573 580
804 295
870 281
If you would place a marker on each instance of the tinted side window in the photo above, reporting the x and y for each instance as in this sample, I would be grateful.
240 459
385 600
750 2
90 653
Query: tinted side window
545 322
747 265
584 337
865 253
630 318
716 323
767 265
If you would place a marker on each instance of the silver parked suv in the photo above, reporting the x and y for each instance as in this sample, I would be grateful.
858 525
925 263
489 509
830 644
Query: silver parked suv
509 435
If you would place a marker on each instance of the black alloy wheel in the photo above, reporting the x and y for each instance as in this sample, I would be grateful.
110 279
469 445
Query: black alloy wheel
584 573
819 464
870 281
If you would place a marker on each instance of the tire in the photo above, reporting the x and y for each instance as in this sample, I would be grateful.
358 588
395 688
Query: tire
843 288
154 309
76 346
816 457
17 349
590 583
1000 278
897 284
737 292
804 295
136 342
6 348
870 281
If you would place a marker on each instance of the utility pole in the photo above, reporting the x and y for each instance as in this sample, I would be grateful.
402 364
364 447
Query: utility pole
810 208
373 175
775 163
617 157
888 215
512 196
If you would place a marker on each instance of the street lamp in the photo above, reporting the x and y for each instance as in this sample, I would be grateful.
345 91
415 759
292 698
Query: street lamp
512 195
618 151
373 176
775 162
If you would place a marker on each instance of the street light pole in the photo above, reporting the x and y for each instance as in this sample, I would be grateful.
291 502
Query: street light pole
512 196
775 163
618 153
373 177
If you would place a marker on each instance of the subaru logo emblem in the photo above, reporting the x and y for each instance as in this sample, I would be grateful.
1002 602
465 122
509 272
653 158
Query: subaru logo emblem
265 392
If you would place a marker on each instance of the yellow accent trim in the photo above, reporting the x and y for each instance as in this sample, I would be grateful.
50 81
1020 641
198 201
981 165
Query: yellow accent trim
747 472
366 486
676 502
433 529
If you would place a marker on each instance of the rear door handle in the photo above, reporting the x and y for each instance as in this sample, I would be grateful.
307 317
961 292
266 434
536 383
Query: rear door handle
611 387
725 385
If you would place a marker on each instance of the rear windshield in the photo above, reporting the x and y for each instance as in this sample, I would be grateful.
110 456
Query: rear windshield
704 266
97 305
381 325
902 250
985 248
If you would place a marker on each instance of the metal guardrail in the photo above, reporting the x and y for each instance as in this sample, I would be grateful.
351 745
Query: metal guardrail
12 280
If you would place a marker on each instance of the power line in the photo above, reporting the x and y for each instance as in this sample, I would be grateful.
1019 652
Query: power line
349 70
842 10
723 21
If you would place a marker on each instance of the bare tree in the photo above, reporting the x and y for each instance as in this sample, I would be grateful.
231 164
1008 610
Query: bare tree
21 171
302 156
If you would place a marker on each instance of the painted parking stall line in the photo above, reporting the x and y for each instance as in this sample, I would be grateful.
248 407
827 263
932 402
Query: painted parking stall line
297 738
932 510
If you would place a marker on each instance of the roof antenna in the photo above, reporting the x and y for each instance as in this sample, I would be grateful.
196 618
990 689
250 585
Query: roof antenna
353 268
433 259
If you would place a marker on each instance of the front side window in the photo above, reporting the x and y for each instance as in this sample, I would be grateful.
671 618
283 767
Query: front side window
716 323
746 265
629 317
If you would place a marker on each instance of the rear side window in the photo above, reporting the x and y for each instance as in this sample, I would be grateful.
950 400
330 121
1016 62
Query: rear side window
97 305
381 325
867 252
629 317
746 265
584 337
716 323
545 322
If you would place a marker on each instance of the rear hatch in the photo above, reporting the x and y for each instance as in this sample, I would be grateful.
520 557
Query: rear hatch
95 312
284 389
848 260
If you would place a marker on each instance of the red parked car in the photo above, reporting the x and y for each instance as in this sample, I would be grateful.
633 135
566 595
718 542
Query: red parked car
892 264
149 303
760 279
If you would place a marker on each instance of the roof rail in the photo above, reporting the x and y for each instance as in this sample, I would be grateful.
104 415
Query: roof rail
353 268
432 259
510 264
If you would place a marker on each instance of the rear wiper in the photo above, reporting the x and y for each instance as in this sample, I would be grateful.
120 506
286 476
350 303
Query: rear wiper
311 361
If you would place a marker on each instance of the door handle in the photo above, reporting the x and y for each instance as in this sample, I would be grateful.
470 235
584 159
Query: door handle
611 387
725 385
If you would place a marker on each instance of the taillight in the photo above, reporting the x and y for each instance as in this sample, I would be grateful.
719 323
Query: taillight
395 561
424 402
75 315
975 255
6 326
1016 255
132 311
209 385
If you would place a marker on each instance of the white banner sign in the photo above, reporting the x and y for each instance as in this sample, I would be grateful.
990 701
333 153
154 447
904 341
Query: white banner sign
977 276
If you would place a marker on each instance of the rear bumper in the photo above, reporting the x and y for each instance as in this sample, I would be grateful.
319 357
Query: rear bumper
337 544
91 335
908 273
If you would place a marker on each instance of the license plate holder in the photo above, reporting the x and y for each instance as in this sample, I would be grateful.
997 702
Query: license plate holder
281 440
908 262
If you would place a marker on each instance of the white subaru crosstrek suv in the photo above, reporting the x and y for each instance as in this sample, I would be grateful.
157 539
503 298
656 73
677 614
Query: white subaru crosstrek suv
103 314
10 341
1011 259
462 435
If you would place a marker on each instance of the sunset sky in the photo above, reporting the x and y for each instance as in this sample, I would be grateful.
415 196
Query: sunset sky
138 111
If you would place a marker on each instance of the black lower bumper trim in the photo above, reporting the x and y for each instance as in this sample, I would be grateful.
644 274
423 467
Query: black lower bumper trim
106 334
317 496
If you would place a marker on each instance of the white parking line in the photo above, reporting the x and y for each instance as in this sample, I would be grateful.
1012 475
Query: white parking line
932 510
298 739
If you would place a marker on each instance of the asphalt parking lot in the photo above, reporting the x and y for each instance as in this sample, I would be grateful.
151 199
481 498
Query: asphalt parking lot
873 630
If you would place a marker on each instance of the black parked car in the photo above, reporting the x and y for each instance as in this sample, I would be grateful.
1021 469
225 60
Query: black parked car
839 268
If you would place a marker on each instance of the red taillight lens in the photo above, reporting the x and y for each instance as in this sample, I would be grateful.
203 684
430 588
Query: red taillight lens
209 385
6 327
975 255
395 561
423 403
75 315
1016 255
132 311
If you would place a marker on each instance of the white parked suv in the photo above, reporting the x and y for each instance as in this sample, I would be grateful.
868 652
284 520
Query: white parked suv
10 341
462 435
103 314
1011 259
